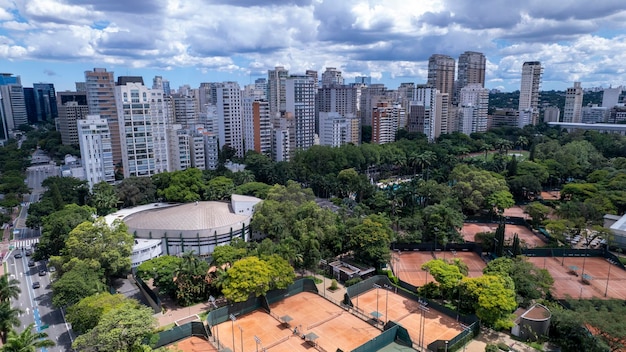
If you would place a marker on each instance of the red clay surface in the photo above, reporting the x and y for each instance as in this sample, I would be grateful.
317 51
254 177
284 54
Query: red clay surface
408 265
192 344
566 283
527 238
516 211
552 195
437 326
310 313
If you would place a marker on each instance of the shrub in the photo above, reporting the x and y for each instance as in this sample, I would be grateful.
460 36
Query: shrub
491 348
503 346
333 285
353 281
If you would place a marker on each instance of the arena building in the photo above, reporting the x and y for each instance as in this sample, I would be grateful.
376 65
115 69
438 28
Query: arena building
178 228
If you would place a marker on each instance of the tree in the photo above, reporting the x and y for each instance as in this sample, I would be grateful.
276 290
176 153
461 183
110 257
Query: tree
227 254
123 328
473 186
109 246
256 189
191 279
530 282
537 212
180 186
247 276
103 198
219 188
447 275
605 319
26 341
370 240
57 227
134 191
86 314
282 274
9 288
492 300
162 270
9 317
81 281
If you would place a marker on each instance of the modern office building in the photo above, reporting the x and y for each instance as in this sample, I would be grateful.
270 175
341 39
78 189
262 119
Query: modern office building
441 73
100 88
45 102
142 126
472 67
13 102
96 154
529 91
572 112
300 101
229 117
257 126
473 109
71 107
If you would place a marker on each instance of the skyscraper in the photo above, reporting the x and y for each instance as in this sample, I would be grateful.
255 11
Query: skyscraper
95 149
276 89
471 71
331 77
142 126
229 119
45 102
300 101
572 112
13 103
257 126
473 108
441 73
72 106
427 111
529 91
100 88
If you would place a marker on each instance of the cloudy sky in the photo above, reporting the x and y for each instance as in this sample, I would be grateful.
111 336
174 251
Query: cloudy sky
195 41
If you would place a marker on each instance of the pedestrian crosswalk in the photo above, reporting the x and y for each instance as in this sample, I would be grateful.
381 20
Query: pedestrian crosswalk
25 243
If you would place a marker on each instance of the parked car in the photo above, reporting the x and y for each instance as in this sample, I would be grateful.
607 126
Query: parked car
36 285
31 263
42 272
18 255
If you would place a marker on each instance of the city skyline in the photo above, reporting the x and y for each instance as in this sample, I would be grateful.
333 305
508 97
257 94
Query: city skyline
56 41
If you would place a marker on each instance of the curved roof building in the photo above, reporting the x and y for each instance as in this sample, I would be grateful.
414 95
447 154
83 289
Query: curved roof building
197 226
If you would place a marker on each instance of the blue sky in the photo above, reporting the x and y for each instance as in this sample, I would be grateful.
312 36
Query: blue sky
193 41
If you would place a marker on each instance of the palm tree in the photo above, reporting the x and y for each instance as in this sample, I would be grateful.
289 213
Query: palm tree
9 317
8 288
26 341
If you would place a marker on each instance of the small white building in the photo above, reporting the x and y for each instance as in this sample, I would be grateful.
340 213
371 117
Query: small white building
144 250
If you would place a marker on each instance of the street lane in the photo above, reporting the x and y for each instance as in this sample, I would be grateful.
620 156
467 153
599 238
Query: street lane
36 304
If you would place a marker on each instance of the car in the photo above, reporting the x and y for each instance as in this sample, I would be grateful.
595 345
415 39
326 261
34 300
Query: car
18 255
28 252
31 263
42 272
36 284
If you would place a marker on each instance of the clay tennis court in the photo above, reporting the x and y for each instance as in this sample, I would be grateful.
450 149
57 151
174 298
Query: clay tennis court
408 265
526 237
406 312
192 344
566 283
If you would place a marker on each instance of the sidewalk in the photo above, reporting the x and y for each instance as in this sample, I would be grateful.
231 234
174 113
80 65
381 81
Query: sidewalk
486 336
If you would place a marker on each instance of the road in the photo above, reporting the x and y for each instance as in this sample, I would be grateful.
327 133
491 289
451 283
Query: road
36 304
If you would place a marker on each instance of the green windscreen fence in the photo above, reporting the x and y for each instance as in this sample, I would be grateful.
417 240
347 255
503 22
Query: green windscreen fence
301 285
181 332
378 342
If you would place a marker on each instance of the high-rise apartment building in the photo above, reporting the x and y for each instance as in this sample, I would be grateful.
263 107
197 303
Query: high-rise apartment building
100 88
572 112
71 106
257 126
369 98
182 109
385 120
300 101
610 96
472 66
551 114
229 118
283 140
314 77
337 130
331 77
276 89
473 109
529 91
427 111
339 98
441 73
96 154
142 126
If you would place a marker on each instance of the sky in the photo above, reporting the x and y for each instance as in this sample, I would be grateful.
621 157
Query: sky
194 41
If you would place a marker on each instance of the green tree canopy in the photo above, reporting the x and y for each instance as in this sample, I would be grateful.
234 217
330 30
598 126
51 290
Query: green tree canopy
493 300
26 341
57 227
370 240
81 281
219 188
162 270
103 198
86 314
247 276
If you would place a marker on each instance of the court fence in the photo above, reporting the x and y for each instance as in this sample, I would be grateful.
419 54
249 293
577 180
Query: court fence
430 247
177 333
387 337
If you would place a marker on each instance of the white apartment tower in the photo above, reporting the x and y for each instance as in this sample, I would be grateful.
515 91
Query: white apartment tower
300 101
428 111
276 89
572 112
385 120
529 90
94 138
473 108
610 96
100 88
337 130
229 118
142 127
472 66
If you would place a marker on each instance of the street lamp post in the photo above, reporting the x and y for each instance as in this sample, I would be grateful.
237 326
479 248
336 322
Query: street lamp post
241 330
386 301
217 331
232 319
376 286
257 340
447 345
606 290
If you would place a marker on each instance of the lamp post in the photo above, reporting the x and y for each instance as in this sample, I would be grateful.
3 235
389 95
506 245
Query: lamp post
436 230
447 345
257 340
217 331
606 289
387 288
376 286
232 319
241 330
